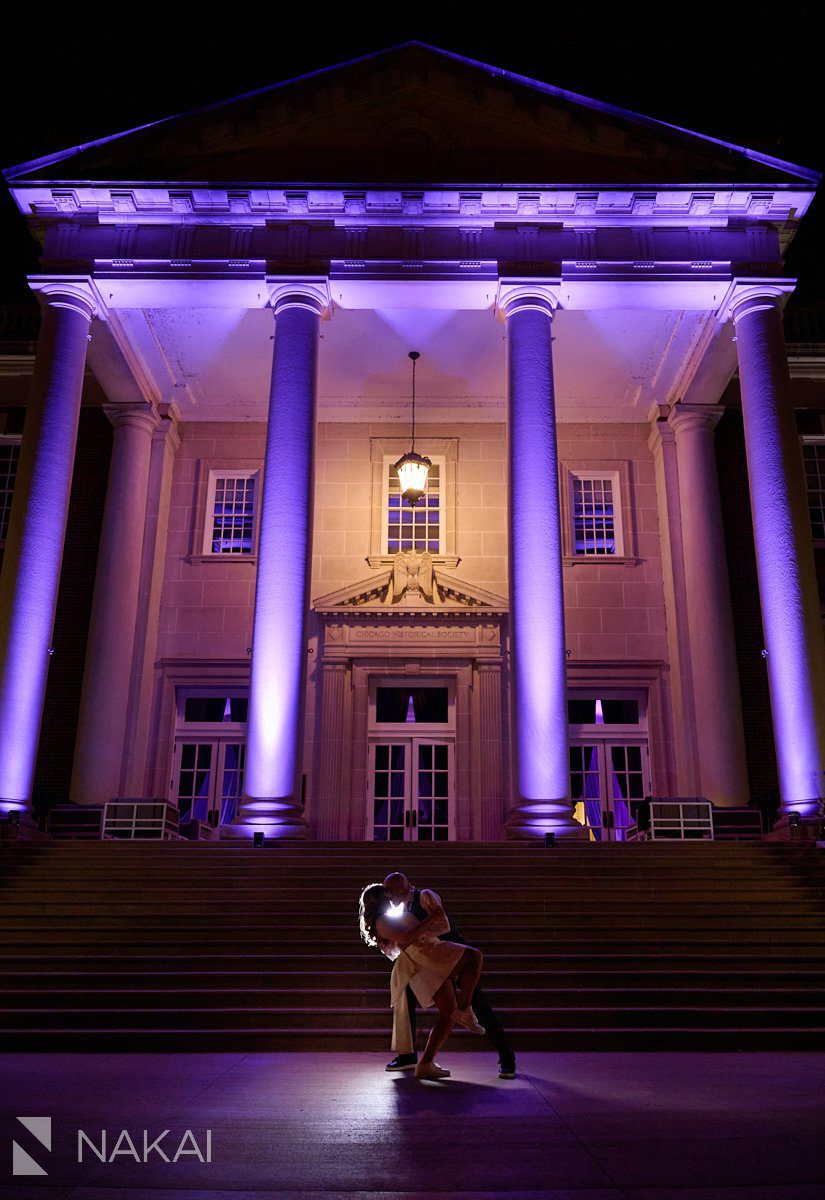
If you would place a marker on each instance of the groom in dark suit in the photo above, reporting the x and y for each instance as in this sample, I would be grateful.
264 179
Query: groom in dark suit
425 906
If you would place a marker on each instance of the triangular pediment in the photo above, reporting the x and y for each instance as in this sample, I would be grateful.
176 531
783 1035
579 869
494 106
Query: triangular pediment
411 115
371 596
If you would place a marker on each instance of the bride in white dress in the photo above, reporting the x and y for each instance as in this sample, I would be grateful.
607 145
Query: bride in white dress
441 973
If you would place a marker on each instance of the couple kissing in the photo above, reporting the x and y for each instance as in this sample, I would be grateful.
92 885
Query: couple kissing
432 965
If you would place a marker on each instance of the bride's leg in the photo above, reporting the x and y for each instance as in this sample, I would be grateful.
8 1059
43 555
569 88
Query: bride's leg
467 975
445 1003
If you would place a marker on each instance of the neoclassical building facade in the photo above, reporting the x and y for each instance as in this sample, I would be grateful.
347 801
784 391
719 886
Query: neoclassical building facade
277 640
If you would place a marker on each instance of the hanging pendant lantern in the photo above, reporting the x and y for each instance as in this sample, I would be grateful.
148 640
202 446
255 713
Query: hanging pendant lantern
412 469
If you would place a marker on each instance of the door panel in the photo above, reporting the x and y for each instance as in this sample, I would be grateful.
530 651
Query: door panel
193 785
389 791
207 783
433 786
410 791
232 775
605 777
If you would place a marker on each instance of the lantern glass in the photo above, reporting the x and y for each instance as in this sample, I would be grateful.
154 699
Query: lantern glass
412 470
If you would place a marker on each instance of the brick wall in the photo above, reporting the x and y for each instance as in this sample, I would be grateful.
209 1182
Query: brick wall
614 610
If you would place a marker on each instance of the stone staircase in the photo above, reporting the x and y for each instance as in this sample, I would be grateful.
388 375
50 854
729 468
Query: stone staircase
138 946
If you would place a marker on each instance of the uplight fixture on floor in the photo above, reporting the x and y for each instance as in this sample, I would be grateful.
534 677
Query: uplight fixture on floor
412 469
258 838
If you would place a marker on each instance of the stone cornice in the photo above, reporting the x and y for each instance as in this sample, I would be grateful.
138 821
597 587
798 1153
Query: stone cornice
593 205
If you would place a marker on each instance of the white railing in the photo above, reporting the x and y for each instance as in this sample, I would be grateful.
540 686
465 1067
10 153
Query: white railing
688 818
141 819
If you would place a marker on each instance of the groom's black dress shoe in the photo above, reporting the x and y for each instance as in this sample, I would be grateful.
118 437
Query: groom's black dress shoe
402 1062
507 1068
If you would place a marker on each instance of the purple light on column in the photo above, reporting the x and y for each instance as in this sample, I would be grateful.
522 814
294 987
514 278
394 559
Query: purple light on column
536 594
787 578
282 594
34 548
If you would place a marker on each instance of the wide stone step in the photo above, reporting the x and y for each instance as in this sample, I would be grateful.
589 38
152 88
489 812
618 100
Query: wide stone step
154 1038
754 979
481 928
666 941
732 962
379 1018
468 887
470 896
308 996
513 909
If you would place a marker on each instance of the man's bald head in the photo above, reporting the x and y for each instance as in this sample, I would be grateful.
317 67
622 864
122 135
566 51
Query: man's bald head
398 887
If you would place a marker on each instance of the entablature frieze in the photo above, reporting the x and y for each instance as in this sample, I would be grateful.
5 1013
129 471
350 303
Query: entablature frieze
387 252
459 634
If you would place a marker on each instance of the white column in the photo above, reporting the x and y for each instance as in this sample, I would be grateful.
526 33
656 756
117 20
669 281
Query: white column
717 704
272 799
489 753
34 547
334 742
662 443
535 563
784 554
140 766
104 701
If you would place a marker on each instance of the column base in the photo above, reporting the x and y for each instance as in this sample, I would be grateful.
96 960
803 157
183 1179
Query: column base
18 824
273 817
532 819
789 828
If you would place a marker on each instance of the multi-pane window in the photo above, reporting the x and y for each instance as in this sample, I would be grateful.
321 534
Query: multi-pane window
596 515
9 455
230 513
813 454
419 527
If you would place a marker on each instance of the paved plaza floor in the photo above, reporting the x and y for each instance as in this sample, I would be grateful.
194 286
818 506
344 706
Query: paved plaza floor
577 1126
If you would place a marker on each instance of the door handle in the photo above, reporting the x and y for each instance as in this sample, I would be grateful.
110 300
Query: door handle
407 819
414 819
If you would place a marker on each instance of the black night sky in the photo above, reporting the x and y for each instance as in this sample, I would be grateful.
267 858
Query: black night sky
754 77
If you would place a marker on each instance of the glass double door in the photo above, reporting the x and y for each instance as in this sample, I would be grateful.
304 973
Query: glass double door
207 779
410 794
606 779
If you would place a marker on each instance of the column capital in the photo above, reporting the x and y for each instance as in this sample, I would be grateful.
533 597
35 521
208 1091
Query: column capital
689 417
518 295
136 416
76 293
660 430
168 424
749 295
312 293
488 668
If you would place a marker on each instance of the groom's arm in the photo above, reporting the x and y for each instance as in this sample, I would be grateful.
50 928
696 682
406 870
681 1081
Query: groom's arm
436 922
